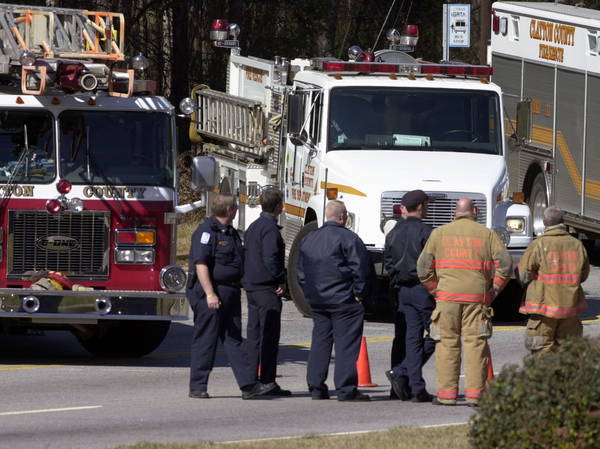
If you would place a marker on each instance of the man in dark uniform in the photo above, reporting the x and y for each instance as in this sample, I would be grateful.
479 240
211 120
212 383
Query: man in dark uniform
215 270
334 271
264 278
398 343
403 245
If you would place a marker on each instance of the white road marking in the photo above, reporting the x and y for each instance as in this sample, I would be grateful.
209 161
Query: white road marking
50 410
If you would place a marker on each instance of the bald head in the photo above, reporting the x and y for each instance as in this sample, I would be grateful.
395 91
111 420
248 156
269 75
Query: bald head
465 208
336 211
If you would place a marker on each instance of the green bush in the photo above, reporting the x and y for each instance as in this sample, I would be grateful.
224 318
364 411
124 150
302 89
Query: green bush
553 401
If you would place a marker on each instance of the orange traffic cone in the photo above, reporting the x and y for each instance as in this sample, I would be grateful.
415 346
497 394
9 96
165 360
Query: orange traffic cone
362 366
490 367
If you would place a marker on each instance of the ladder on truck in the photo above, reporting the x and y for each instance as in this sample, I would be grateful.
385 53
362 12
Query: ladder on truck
244 122
40 45
59 33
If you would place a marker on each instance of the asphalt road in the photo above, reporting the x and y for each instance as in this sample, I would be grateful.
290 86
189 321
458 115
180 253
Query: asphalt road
56 396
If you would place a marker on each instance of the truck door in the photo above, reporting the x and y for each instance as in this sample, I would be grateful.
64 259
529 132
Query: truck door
301 155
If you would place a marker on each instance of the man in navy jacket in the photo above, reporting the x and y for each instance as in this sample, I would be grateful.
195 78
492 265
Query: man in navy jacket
264 279
403 245
334 272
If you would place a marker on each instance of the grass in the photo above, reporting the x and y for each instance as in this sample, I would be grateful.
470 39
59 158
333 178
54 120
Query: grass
443 437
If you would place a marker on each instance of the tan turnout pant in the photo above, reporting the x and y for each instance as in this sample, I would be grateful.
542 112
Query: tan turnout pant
451 322
544 334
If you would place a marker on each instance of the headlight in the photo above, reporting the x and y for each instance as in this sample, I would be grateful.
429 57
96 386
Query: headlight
515 224
503 234
125 256
172 278
144 256
387 224
131 255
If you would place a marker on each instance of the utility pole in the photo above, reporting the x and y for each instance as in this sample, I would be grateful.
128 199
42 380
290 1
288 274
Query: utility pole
485 11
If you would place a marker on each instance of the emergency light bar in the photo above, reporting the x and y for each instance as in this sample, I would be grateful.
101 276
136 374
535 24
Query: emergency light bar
433 69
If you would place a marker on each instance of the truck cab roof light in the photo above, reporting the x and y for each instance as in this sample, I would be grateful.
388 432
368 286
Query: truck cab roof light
220 24
219 30
433 69
451 69
409 35
410 30
368 67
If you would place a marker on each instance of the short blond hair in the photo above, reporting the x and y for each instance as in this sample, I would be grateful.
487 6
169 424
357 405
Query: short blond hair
222 204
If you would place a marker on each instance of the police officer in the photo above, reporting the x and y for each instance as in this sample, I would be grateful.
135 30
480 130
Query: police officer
457 267
215 267
264 279
403 245
334 271
554 266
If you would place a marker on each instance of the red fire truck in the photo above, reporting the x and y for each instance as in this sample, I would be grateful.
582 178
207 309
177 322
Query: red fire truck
88 184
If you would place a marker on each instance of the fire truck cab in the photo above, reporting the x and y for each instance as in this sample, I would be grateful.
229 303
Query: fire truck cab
88 184
365 131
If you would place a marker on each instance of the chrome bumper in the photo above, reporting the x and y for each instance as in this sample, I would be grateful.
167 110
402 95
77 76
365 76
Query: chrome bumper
88 306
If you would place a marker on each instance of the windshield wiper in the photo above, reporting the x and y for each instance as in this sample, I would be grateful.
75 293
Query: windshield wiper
23 156
26 141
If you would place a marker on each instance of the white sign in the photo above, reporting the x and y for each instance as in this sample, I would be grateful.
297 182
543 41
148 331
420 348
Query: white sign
459 25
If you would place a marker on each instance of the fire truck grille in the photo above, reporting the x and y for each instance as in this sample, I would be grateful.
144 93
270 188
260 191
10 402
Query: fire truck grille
441 206
75 244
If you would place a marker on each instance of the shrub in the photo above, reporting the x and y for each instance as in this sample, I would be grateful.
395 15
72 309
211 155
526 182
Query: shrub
553 401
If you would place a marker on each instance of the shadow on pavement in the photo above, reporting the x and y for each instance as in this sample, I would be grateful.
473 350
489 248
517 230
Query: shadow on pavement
62 348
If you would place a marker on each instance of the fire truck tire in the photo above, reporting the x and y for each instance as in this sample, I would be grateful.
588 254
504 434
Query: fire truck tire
538 201
123 338
293 286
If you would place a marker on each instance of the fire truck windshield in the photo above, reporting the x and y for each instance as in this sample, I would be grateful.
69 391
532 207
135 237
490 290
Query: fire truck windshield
115 147
414 119
26 147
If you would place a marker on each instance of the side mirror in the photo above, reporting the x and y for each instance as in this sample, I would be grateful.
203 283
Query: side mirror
295 113
524 120
204 173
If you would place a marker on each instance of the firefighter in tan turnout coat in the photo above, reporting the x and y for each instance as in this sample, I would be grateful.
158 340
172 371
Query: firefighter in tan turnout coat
554 266
464 265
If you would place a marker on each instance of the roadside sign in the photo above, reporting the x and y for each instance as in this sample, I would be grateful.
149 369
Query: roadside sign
458 25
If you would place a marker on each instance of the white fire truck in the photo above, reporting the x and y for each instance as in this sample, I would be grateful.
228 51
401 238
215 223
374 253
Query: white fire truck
88 183
546 58
364 131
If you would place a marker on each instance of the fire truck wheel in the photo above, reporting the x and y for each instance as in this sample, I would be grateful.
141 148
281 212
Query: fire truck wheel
538 201
123 338
294 287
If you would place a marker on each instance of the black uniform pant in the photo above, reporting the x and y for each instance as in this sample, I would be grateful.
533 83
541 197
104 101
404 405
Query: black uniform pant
341 326
262 332
399 341
211 325
416 305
